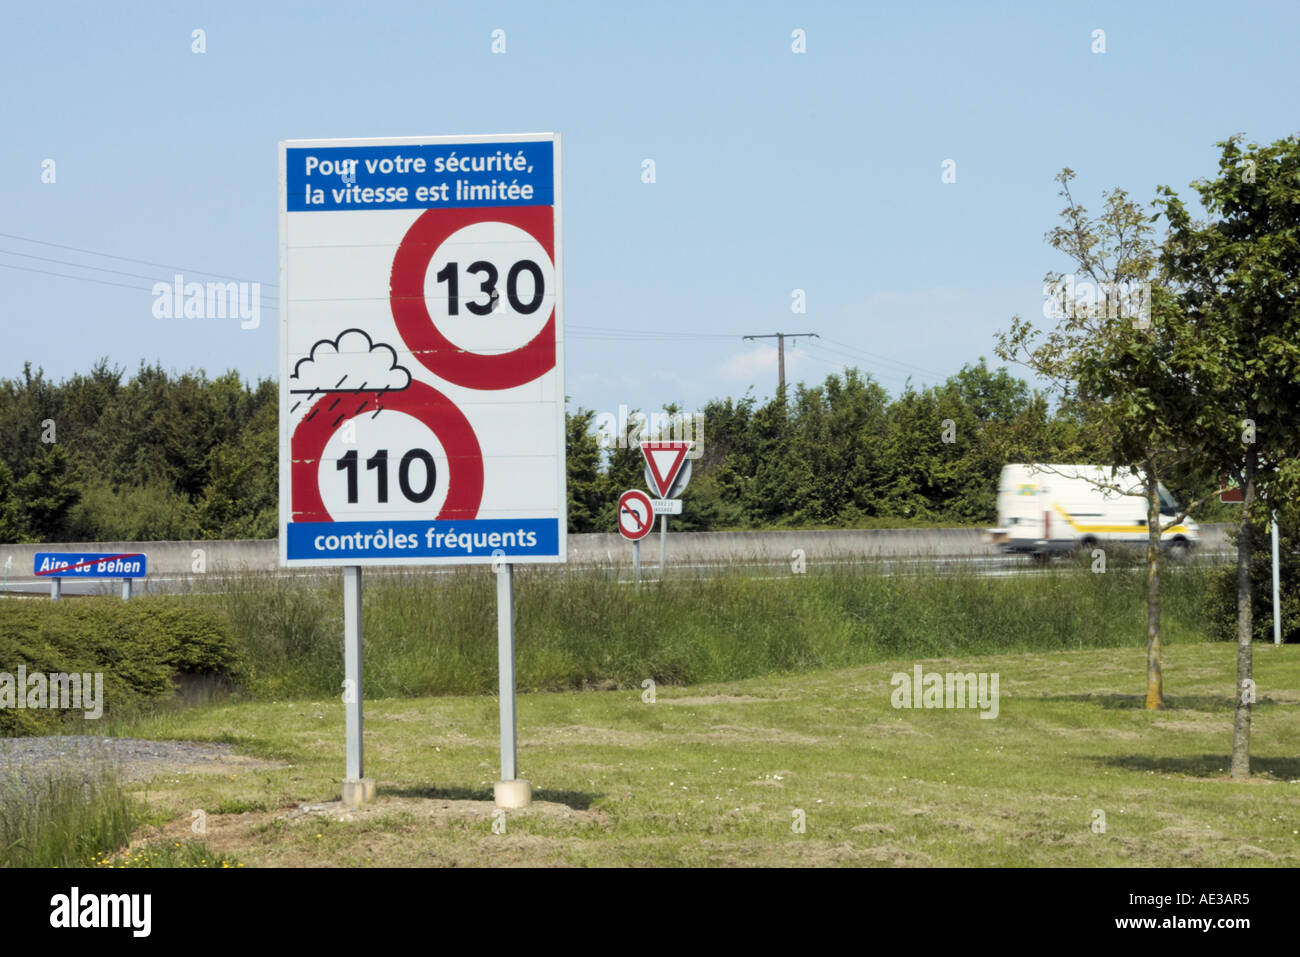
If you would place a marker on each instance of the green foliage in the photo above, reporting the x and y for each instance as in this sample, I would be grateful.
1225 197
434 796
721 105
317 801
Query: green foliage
1119 355
588 487
160 456
143 513
68 816
1238 281
427 634
241 498
1222 593
166 853
138 646
47 493
12 527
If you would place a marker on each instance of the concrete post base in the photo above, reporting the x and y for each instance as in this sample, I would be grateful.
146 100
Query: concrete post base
513 794
357 792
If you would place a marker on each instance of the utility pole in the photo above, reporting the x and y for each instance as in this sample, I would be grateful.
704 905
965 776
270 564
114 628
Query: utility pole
780 338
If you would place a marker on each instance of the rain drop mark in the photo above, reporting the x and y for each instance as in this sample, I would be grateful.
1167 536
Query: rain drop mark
334 403
365 403
340 382
377 411
312 415
337 421
295 407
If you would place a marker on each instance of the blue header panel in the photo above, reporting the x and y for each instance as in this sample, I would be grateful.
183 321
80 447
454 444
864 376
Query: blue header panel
479 539
443 175
90 565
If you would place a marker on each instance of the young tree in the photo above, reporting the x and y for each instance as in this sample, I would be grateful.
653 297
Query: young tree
1238 276
1118 355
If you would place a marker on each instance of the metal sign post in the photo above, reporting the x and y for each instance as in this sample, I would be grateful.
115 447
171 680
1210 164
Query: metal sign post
1277 600
667 472
511 791
357 789
86 565
663 542
636 520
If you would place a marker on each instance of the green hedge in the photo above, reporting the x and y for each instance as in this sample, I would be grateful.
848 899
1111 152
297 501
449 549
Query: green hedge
138 646
1222 595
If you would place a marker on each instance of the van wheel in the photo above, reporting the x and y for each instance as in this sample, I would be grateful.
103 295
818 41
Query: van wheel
1088 544
1179 549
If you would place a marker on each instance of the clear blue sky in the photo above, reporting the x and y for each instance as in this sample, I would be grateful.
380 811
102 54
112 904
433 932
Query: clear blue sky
775 171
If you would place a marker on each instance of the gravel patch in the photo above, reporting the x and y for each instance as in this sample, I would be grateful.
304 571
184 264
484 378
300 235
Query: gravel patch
133 759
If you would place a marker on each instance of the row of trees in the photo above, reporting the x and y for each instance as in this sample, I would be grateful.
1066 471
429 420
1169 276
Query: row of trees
159 456
841 453
1203 377
153 457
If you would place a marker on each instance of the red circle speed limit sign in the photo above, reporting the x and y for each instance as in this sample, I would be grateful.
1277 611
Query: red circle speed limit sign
473 294
636 516
412 447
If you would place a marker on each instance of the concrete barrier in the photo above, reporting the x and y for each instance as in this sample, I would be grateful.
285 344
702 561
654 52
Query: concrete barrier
761 547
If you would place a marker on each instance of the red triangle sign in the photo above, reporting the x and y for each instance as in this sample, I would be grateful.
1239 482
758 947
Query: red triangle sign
665 460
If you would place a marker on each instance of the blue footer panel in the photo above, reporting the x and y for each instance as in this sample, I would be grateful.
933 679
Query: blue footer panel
397 542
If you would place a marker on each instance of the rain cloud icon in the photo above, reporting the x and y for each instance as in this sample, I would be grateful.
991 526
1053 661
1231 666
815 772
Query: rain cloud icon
351 363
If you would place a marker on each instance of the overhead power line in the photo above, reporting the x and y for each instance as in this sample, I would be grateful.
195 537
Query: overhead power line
780 338
142 262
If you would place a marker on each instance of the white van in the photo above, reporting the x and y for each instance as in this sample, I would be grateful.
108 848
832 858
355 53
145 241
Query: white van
1058 508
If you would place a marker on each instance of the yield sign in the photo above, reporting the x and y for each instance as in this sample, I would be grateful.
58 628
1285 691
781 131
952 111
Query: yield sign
664 460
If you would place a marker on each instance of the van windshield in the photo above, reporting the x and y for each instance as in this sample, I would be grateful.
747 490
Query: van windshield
1168 504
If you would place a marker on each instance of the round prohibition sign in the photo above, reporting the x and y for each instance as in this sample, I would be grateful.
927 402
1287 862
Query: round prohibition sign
420 401
636 516
437 353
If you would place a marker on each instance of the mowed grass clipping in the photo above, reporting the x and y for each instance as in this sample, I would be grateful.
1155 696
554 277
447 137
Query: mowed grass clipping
717 775
429 633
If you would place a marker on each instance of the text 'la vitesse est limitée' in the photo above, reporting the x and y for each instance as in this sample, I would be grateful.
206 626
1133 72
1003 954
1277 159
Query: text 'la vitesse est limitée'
465 190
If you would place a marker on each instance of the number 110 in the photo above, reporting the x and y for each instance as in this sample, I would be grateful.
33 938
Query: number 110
379 463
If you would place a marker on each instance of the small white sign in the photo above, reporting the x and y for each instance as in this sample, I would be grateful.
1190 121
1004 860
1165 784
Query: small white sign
667 506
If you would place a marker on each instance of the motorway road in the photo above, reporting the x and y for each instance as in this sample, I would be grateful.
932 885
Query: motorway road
758 554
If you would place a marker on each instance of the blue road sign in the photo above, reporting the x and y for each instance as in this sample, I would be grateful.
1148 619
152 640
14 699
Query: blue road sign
90 565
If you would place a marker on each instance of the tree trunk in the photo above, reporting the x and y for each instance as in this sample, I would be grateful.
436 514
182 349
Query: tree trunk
1155 679
1245 687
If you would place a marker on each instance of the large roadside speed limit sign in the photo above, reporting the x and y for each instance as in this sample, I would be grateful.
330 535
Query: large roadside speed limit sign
421 351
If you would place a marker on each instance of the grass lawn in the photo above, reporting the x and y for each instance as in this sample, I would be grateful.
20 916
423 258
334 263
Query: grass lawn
713 774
